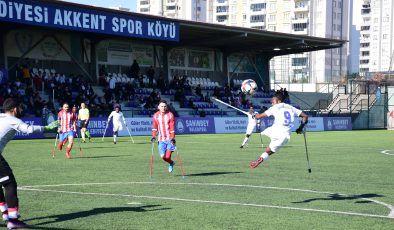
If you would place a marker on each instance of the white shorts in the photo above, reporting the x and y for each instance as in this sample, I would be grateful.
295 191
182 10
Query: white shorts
118 127
277 141
250 128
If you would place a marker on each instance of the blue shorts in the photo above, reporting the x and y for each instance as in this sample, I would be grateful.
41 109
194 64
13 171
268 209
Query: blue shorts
63 136
164 146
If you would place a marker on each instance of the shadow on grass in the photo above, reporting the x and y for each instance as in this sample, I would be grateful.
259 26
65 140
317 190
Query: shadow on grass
343 197
93 212
211 173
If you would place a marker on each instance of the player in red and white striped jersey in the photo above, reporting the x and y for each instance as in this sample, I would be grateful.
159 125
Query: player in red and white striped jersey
164 123
66 119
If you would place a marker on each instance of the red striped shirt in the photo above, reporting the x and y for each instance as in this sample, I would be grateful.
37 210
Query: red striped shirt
165 124
66 121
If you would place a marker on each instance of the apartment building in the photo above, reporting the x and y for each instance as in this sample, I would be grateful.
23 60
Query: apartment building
320 18
194 10
376 36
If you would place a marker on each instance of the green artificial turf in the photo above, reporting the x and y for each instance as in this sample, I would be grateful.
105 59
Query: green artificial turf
351 185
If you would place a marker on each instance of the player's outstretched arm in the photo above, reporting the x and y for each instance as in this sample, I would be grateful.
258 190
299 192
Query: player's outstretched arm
259 116
28 129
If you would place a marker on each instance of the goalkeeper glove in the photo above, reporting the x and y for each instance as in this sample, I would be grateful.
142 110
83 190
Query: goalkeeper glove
173 141
153 140
51 126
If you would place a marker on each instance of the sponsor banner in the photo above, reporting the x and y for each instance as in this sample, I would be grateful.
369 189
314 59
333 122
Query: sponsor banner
138 126
31 121
97 125
194 125
314 124
87 20
231 124
239 124
141 126
337 123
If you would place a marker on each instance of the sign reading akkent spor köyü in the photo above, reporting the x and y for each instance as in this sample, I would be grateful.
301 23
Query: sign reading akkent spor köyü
87 20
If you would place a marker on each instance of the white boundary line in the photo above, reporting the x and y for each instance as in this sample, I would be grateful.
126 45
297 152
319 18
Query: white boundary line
387 152
38 188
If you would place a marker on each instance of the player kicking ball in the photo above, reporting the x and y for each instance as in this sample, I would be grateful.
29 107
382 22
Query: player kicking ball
252 122
67 120
280 131
164 122
117 118
10 125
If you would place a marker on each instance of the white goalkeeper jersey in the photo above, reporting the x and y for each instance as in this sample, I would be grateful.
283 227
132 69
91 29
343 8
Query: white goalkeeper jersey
284 115
117 118
10 125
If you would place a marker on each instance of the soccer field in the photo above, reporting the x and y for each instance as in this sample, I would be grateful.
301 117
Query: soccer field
351 185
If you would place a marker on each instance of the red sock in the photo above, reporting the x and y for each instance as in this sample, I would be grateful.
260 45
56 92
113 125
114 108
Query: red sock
61 145
167 157
68 150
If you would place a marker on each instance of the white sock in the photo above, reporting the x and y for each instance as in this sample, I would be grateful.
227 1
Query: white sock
245 140
265 156
115 138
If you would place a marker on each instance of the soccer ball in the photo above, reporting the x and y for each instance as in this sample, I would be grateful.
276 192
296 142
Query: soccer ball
249 87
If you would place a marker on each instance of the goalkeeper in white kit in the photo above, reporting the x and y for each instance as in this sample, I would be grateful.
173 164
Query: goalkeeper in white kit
10 125
117 119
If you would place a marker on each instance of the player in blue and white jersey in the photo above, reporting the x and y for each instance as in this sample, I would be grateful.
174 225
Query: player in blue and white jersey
280 131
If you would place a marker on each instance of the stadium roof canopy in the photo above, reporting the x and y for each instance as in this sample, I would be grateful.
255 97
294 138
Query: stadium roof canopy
225 38
237 39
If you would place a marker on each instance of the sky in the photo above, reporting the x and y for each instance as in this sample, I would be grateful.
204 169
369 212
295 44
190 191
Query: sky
131 4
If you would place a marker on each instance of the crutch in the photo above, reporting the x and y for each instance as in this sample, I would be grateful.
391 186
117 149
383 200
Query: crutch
79 145
306 151
130 134
180 163
151 161
259 132
54 148
105 130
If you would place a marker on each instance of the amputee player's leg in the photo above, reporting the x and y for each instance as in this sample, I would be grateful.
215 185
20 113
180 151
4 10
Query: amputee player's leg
170 149
249 131
116 129
62 140
11 195
70 137
83 130
275 144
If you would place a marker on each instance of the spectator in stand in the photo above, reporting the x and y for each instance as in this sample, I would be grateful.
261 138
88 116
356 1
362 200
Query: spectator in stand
26 74
180 97
198 91
216 92
112 84
134 69
202 113
171 108
207 98
285 94
151 75
161 84
67 95
187 86
150 102
190 104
